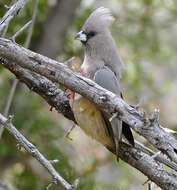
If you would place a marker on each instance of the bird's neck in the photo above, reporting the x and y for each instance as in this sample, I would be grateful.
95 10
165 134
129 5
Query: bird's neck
90 65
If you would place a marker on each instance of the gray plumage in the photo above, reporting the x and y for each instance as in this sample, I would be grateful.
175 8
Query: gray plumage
103 65
101 47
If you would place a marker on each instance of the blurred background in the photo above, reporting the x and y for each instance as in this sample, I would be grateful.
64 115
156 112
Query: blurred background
146 33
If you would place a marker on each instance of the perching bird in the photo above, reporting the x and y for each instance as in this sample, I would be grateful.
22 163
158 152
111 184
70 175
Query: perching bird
102 65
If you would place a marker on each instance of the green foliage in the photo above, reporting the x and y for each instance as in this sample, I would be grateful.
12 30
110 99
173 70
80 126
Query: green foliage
145 34
87 183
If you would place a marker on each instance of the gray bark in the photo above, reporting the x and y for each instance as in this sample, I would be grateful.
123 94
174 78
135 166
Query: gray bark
107 101
142 160
13 11
31 149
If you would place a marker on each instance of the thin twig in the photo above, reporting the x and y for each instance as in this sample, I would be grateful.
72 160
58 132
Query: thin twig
30 31
69 131
54 161
31 149
69 62
146 182
12 11
113 116
9 101
156 154
27 43
20 31
4 185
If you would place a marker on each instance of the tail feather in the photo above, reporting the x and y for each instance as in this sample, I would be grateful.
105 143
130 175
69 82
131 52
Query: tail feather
127 133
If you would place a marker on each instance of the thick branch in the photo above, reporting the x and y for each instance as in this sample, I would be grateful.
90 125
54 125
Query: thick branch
41 85
31 149
27 43
58 100
57 72
136 158
52 94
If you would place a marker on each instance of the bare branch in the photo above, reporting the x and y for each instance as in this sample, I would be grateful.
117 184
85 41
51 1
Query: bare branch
47 89
58 72
13 10
9 101
30 31
53 161
59 100
56 98
4 185
27 43
31 149
113 116
69 131
20 31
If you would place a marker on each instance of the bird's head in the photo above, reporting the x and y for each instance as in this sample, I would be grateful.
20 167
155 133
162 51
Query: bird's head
96 27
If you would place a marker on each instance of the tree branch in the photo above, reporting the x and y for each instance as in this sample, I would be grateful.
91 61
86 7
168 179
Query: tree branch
58 72
31 149
45 88
57 99
27 43
133 156
139 157
13 11
4 186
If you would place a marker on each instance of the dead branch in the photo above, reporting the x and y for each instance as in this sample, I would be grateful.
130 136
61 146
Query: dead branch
27 43
4 185
60 73
31 149
12 11
139 157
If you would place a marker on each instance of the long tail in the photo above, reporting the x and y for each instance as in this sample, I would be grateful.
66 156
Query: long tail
127 133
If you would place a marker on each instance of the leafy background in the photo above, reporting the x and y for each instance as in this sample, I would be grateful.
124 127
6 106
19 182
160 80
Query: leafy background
145 33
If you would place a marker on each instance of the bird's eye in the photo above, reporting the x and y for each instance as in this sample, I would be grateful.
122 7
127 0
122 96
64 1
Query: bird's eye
91 34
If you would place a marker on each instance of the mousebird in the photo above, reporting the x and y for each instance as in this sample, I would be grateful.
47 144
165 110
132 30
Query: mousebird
101 64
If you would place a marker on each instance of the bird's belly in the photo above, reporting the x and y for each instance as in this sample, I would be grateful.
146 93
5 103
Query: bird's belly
89 118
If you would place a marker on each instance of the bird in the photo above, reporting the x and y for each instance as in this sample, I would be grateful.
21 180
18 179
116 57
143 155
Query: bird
103 65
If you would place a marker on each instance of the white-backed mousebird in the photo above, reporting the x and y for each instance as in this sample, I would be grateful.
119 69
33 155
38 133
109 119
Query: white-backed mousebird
102 64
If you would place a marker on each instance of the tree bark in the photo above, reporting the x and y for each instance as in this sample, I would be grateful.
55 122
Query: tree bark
142 160
109 102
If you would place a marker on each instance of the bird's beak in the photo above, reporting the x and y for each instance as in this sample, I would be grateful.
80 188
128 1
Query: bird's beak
81 36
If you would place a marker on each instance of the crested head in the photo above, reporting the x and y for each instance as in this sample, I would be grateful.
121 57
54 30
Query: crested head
98 42
100 18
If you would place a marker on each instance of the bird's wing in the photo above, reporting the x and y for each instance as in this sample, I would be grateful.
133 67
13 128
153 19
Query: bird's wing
107 79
